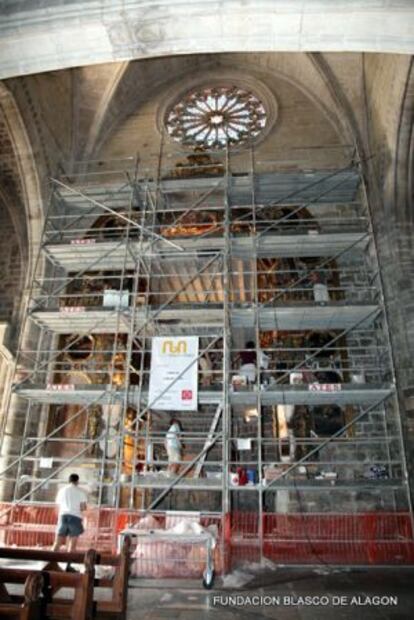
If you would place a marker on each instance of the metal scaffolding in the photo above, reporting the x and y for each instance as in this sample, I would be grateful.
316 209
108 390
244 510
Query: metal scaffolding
285 260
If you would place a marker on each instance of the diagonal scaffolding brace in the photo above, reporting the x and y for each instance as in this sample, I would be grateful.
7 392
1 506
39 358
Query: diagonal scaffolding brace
119 215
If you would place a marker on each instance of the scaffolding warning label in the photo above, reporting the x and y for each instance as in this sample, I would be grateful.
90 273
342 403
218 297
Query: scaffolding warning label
325 387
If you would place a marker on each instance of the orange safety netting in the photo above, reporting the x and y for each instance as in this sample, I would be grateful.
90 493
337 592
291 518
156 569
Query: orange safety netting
342 539
364 538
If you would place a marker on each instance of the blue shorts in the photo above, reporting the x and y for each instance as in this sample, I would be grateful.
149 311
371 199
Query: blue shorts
69 525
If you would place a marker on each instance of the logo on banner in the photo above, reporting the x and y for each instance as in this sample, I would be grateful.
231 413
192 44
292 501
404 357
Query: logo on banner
178 348
186 394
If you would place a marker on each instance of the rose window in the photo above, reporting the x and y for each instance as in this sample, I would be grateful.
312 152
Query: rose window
215 117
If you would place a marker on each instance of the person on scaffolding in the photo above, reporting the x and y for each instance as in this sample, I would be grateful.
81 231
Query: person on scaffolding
174 446
248 362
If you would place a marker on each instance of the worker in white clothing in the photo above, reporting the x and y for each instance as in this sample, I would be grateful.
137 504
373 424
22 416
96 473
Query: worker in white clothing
174 446
71 502
320 289
248 362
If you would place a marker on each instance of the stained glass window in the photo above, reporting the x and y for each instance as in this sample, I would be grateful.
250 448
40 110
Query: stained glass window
215 117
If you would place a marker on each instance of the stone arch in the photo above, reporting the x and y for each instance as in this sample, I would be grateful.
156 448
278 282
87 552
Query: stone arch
191 71
13 259
404 157
21 196
344 111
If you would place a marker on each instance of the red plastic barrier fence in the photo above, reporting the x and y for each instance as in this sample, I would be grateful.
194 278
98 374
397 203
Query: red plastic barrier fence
365 538
27 525
336 527
342 539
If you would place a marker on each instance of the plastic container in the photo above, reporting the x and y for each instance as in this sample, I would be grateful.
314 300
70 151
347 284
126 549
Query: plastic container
251 476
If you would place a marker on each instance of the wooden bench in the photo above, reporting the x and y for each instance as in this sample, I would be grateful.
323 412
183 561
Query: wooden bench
31 606
79 607
116 607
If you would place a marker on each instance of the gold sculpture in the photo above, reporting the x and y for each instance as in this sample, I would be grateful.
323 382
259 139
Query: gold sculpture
95 427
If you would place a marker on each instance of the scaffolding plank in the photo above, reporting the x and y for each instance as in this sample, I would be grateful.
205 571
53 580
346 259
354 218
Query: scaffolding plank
101 321
149 481
274 186
344 394
313 316
291 187
99 394
350 394
283 317
96 255
326 485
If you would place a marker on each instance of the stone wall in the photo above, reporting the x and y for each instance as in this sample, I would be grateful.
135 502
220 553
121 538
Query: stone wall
389 80
10 268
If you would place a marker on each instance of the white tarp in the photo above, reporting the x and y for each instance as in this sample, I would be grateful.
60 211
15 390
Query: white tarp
170 357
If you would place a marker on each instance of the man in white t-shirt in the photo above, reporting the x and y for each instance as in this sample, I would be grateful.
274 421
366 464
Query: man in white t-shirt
71 501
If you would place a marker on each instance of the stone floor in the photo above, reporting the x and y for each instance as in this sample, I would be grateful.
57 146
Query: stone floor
366 594
255 593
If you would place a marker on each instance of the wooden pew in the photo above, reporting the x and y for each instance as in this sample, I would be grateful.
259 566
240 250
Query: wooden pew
31 606
80 607
116 607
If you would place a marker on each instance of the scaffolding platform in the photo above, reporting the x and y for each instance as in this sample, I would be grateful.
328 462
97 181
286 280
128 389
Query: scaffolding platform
327 485
272 187
102 395
335 315
97 255
337 186
151 481
290 316
314 394
340 394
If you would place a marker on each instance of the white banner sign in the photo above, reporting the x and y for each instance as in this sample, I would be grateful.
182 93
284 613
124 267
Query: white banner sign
169 360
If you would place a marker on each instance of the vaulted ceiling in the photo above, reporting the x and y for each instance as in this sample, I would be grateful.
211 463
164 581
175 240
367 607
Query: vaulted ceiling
52 121
113 110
